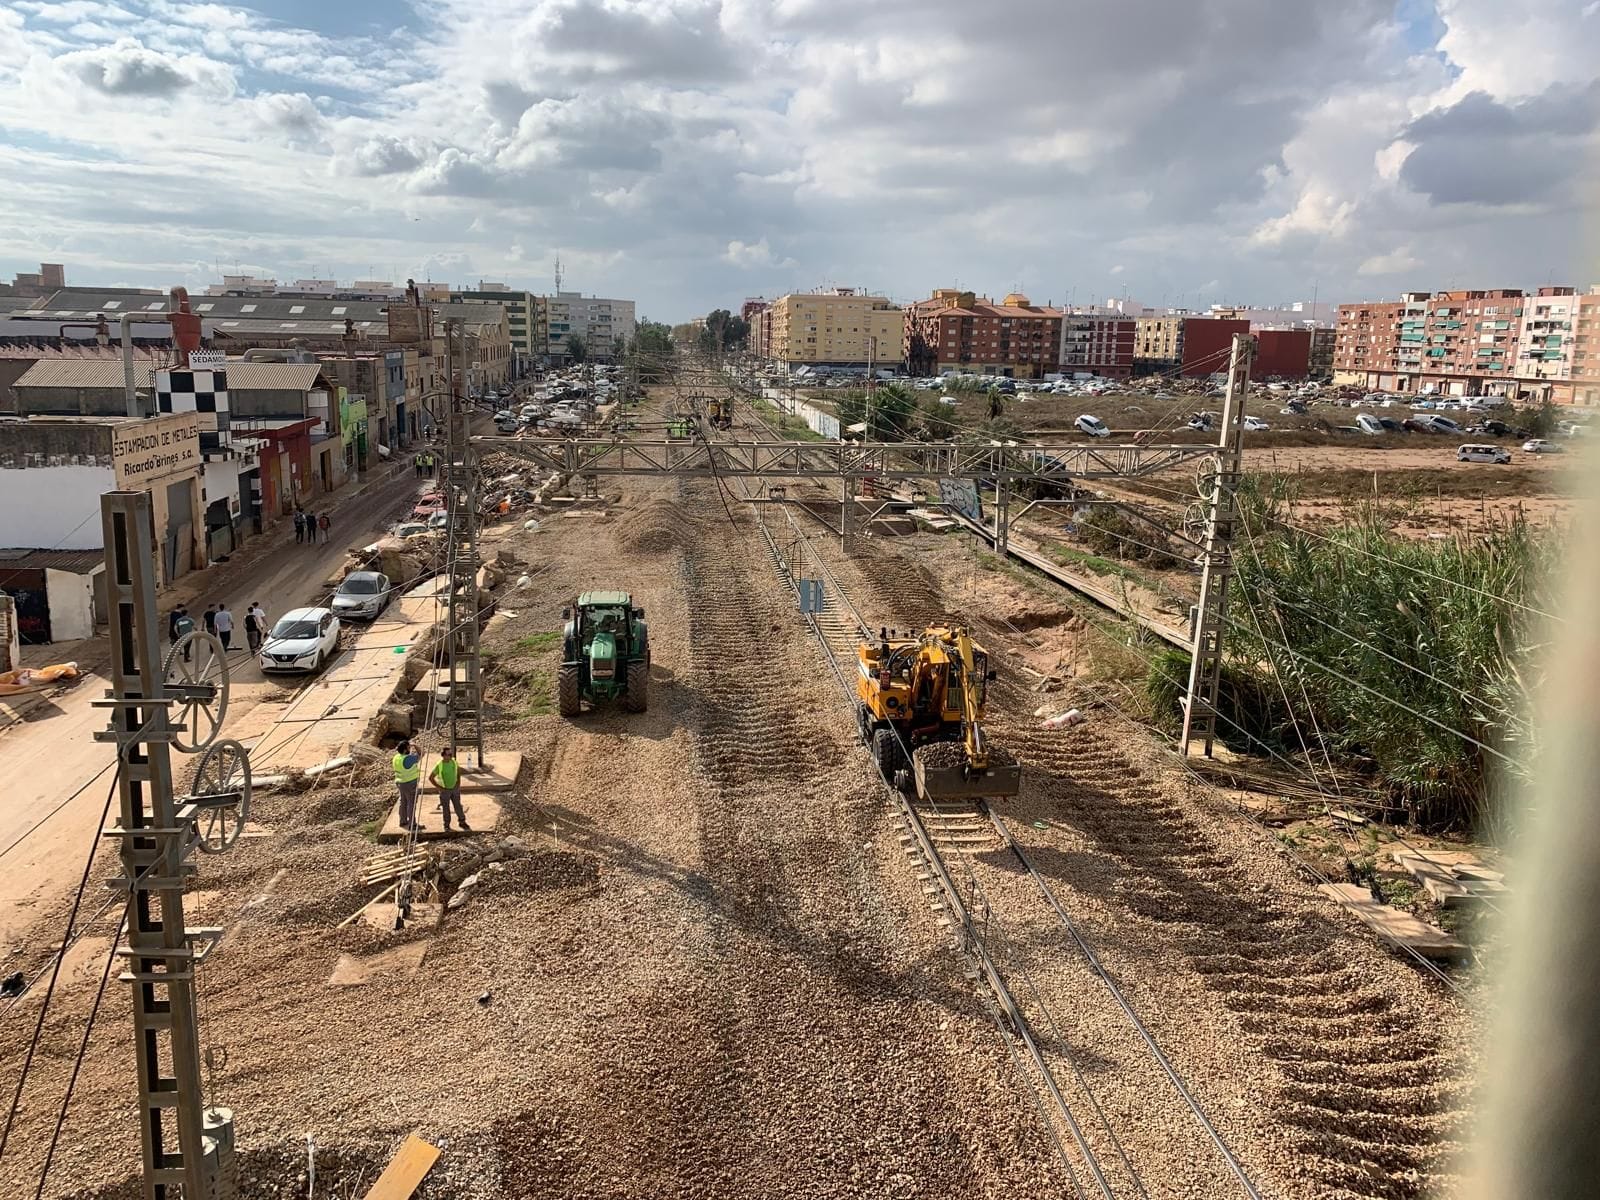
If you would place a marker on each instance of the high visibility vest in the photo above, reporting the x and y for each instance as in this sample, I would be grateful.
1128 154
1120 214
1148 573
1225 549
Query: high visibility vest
403 773
449 773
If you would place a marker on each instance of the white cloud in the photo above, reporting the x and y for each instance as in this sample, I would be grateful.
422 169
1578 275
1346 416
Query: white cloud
1395 262
1257 146
753 254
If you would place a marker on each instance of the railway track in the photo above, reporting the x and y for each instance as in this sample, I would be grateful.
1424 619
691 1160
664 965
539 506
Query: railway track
1370 1095
945 842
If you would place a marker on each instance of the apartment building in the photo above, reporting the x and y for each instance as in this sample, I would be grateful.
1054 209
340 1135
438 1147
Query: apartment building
956 331
1369 340
603 326
1545 345
1158 342
841 327
1323 340
1456 343
1098 343
1585 387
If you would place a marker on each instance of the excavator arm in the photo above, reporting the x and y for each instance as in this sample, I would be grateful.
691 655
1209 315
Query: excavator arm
971 688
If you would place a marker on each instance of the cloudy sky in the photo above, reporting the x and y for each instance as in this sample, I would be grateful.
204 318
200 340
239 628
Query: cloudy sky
692 152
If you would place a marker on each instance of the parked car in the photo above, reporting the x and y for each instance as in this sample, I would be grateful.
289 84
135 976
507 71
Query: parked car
1392 425
410 529
1442 424
431 503
1540 446
1255 425
1417 425
1092 425
1484 453
362 594
507 425
302 640
1368 423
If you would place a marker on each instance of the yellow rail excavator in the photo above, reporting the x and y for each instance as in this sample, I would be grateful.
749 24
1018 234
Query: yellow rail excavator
920 711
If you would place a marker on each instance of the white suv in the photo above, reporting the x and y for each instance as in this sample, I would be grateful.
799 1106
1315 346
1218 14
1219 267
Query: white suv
302 640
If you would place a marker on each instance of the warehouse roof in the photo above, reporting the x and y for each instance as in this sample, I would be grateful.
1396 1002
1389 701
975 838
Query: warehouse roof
81 561
107 373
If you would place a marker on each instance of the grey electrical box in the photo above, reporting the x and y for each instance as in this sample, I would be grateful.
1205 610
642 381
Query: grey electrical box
810 595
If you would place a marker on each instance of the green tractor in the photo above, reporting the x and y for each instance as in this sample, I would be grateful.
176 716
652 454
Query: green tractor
605 654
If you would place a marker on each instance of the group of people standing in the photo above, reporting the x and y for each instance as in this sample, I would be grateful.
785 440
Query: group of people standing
218 622
424 463
446 776
308 525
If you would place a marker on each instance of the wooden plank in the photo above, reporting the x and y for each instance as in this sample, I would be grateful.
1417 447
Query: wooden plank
405 1171
1392 924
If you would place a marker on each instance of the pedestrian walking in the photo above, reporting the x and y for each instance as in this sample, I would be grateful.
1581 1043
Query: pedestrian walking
179 625
255 625
407 771
416 463
446 777
324 524
210 619
222 622
299 526
311 529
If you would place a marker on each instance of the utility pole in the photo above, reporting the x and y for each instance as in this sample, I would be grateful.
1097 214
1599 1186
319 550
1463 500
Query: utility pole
187 1147
461 500
1210 620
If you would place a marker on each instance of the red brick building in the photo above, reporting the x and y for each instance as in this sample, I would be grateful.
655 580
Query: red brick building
1207 342
956 331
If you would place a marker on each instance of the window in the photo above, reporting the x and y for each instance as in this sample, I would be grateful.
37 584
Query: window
296 309
204 307
244 308
156 307
113 304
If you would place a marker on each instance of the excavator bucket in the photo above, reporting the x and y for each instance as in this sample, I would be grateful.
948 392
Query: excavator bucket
943 776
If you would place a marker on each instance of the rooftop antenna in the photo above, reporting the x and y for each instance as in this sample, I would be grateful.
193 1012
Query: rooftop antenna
558 274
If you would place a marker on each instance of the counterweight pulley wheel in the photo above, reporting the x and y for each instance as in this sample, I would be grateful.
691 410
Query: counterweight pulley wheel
196 670
221 796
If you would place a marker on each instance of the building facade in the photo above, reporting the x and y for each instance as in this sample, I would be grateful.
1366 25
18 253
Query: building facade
1545 345
1098 343
604 326
54 470
1205 343
1158 343
1452 343
528 333
1281 354
841 327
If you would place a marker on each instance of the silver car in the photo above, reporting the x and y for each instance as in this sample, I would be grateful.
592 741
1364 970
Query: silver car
363 595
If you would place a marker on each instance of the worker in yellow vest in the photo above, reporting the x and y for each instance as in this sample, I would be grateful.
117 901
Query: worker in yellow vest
447 778
407 773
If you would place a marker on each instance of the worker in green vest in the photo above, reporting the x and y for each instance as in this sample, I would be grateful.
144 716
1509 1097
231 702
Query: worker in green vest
447 778
407 773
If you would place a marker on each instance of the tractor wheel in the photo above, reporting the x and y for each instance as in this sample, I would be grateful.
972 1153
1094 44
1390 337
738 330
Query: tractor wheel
864 724
636 697
568 699
886 751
